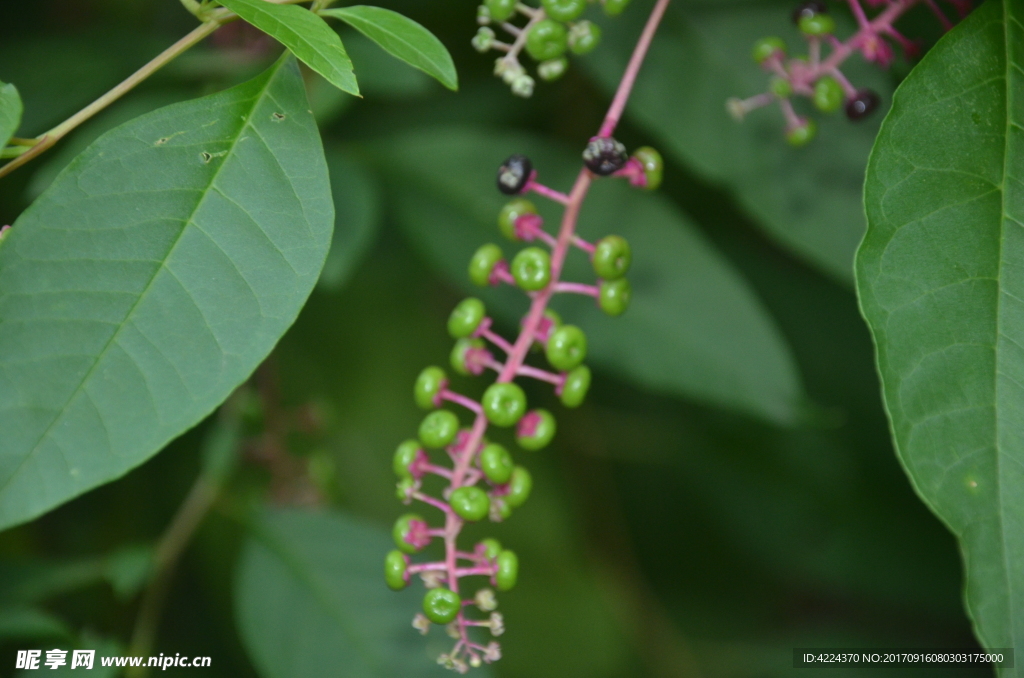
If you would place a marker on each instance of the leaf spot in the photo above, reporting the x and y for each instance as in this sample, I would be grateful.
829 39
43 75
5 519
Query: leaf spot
278 117
207 156
161 141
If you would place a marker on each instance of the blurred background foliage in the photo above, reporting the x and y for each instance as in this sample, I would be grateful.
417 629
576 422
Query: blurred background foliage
729 491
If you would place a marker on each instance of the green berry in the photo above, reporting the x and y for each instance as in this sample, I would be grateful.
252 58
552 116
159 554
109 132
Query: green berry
564 10
552 69
401 530
508 570
459 352
504 404
817 24
802 134
577 383
503 509
492 547
584 37
536 429
614 7
519 486
652 164
496 463
484 39
780 87
471 503
828 94
482 264
395 565
466 317
765 48
567 347
532 269
441 605
614 296
546 40
428 387
439 429
404 456
612 257
511 212
500 10
404 488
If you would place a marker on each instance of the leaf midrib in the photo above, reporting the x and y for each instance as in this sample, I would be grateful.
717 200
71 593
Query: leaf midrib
145 292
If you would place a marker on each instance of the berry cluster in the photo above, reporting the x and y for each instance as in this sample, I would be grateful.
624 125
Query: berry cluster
550 31
818 77
483 481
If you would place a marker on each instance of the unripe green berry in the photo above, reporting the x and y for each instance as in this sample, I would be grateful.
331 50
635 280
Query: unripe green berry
500 10
546 40
552 69
470 503
563 10
614 7
532 269
484 39
536 429
466 317
828 94
404 488
404 456
502 509
428 387
802 134
577 383
496 463
522 86
511 212
780 87
519 486
614 296
653 166
765 48
401 530
566 347
612 257
439 429
492 547
817 24
584 37
508 570
459 352
504 404
482 264
441 605
395 566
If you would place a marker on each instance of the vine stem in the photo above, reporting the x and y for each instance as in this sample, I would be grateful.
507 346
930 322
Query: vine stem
47 140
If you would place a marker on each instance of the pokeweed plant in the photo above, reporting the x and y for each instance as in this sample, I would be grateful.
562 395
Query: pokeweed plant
483 481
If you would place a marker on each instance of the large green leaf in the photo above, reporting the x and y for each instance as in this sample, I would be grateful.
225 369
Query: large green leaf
808 199
150 279
942 286
403 38
305 34
310 600
694 327
10 112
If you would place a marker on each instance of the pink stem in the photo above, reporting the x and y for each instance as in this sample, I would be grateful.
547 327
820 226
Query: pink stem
416 568
578 288
847 86
436 470
549 193
542 375
460 399
547 238
436 503
583 244
858 11
792 119
479 569
497 340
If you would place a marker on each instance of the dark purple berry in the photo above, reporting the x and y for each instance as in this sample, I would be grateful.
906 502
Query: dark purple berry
808 9
862 104
514 173
605 156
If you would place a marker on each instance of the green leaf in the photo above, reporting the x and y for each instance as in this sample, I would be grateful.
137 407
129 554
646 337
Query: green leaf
33 581
356 219
150 279
694 328
941 285
10 112
310 600
402 38
305 34
21 623
807 199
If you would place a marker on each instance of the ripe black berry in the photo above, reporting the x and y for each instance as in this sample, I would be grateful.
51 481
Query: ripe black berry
514 173
808 9
605 156
862 104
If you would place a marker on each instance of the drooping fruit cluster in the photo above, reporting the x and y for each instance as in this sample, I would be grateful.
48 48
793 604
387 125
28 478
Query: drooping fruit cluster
817 76
552 30
483 480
